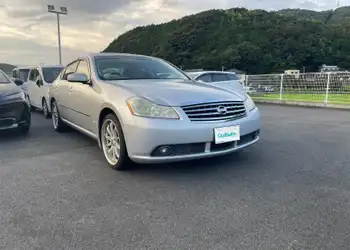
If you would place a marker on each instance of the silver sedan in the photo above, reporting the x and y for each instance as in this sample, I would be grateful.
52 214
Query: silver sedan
145 110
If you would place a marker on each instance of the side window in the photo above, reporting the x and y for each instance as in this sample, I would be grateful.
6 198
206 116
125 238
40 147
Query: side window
83 67
71 68
31 74
204 78
14 74
218 77
37 74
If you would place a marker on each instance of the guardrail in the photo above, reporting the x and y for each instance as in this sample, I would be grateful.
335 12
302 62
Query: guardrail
331 88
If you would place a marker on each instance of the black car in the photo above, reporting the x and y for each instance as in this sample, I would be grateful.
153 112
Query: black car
14 106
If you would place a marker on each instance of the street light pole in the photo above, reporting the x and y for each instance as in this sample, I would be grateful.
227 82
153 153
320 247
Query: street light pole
63 11
59 39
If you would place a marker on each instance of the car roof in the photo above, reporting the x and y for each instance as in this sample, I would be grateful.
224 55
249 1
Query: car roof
110 54
23 67
51 66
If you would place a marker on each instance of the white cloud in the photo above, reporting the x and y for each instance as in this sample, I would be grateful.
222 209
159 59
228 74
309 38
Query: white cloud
29 33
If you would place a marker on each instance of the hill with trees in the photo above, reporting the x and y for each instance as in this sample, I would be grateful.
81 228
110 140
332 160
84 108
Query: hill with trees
7 68
254 41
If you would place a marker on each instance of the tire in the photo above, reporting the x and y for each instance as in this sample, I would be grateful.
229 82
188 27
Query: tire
45 109
57 123
109 124
24 129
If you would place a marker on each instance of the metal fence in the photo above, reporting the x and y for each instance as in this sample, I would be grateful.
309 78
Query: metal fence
327 88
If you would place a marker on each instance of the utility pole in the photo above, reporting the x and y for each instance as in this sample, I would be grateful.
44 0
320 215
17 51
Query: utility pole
62 11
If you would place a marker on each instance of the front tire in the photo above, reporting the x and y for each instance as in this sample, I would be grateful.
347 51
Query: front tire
45 108
58 125
113 143
24 129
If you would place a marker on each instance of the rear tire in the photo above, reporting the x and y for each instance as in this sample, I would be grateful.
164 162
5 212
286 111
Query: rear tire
113 144
45 109
58 125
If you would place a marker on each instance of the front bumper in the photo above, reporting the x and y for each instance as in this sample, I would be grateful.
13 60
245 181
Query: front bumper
14 115
189 140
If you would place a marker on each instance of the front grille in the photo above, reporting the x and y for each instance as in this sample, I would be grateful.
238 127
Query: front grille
210 111
248 138
181 149
11 109
245 139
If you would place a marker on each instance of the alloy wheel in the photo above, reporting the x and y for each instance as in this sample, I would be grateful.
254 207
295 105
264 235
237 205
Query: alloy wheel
110 141
54 115
45 108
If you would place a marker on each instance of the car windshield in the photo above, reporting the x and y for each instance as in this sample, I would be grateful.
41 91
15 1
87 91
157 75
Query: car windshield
50 74
135 67
4 79
23 74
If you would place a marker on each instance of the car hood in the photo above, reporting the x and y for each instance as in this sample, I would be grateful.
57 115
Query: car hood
178 92
8 89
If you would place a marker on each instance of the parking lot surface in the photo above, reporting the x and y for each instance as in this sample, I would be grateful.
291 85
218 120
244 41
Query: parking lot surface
290 191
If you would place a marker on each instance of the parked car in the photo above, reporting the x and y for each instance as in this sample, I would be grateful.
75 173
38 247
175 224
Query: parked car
14 107
265 88
222 79
145 110
39 81
250 90
22 74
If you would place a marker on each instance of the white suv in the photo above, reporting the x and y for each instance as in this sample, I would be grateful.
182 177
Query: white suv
22 74
39 81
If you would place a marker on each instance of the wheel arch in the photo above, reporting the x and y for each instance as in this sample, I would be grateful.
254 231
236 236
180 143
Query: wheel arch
105 110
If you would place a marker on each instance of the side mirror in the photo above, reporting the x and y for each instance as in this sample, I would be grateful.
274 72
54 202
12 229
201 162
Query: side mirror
78 77
39 82
18 82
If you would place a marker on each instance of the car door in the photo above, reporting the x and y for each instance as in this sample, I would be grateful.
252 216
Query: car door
62 92
36 100
32 88
42 88
85 99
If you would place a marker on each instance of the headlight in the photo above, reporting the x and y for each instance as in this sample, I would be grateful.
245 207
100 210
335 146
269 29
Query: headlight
249 103
142 107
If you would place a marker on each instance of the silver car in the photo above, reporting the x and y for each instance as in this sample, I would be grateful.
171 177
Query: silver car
222 79
145 110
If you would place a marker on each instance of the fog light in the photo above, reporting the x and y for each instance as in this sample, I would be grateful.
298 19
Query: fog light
165 150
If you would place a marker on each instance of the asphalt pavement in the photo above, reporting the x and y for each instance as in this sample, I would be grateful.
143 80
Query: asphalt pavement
289 191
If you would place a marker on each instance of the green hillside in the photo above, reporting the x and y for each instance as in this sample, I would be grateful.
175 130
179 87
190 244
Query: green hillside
7 68
254 41
336 16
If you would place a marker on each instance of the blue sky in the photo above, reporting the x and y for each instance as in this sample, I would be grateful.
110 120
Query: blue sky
29 33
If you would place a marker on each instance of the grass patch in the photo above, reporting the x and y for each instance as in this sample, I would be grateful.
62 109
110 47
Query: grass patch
314 98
